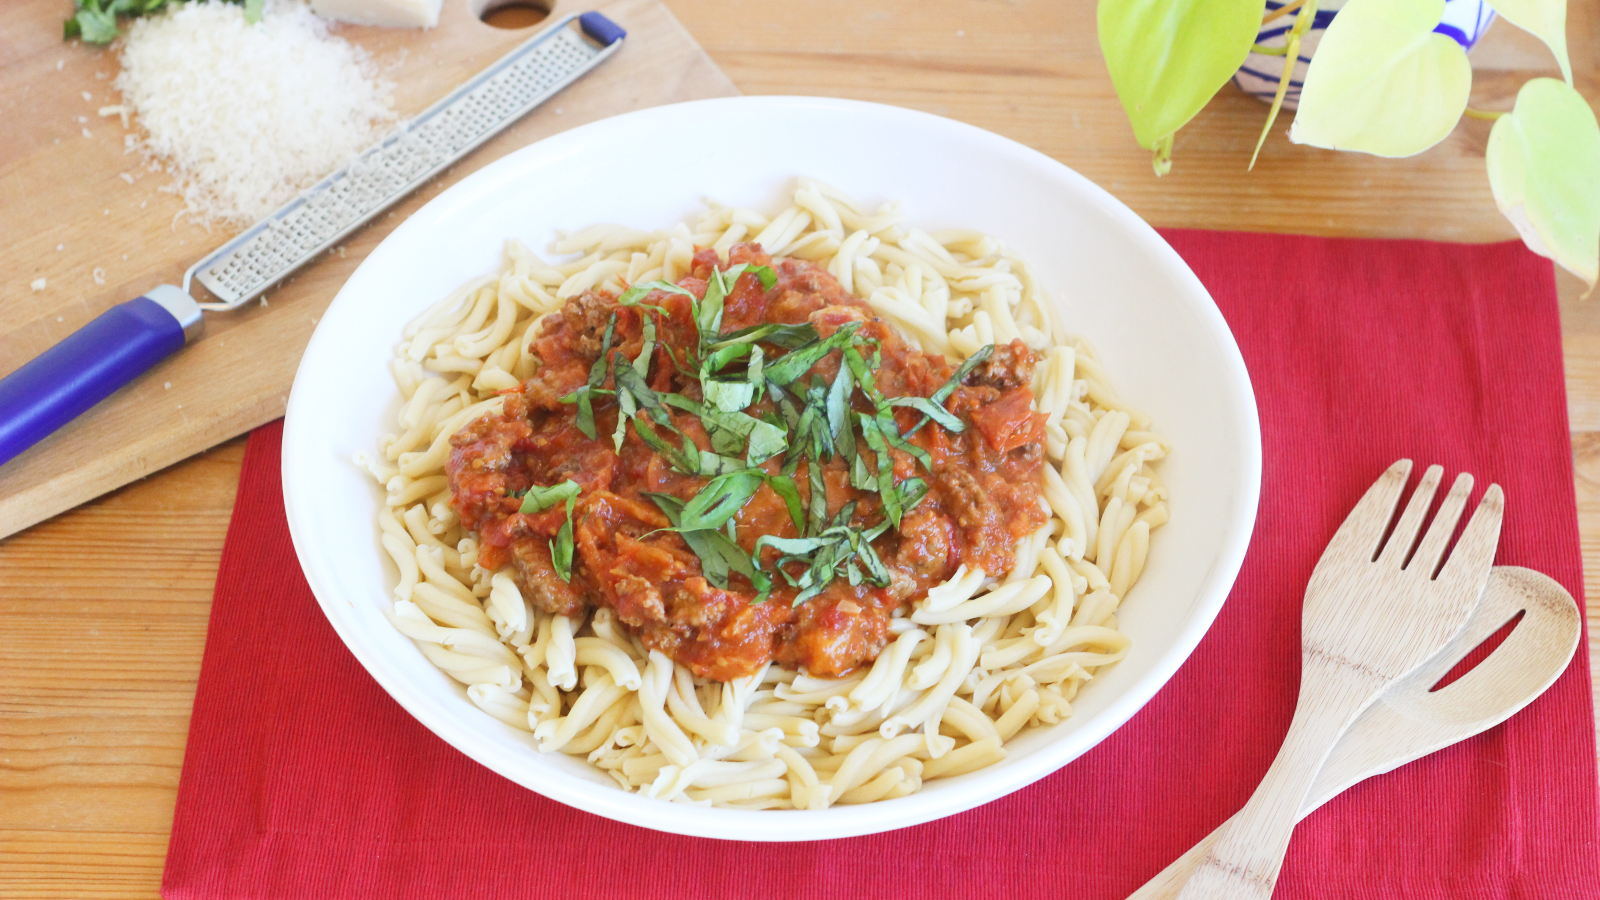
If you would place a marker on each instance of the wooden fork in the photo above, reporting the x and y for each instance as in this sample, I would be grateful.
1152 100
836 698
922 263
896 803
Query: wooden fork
1374 611
1412 720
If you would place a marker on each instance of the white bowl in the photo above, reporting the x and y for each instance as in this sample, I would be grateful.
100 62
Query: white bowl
1167 348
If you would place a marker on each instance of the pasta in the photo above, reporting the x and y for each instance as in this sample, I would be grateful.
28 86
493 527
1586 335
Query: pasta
969 667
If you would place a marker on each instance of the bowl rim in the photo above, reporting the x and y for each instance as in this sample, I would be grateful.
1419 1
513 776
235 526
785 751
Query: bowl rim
837 822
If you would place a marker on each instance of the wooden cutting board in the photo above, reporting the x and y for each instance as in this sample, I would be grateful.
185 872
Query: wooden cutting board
68 215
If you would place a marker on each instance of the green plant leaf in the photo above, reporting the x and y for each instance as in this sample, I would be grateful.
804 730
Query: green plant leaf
1167 58
1544 169
1545 20
1382 81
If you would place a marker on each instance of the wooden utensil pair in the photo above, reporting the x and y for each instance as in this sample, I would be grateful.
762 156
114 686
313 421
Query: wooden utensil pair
1381 626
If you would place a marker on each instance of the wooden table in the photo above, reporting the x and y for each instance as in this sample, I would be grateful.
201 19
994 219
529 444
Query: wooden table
100 646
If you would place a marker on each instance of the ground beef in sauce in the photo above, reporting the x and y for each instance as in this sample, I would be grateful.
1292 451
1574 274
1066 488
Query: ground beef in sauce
983 495
1009 367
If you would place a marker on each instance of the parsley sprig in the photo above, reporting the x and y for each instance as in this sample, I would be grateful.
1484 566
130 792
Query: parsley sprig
96 20
811 422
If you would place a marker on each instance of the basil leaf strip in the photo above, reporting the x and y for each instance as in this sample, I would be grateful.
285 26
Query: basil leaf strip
708 313
538 499
715 464
838 409
626 409
789 493
561 550
597 377
721 499
718 554
633 295
728 396
788 337
641 363
891 432
721 357
886 491
863 374
947 419
817 508
796 363
674 456
727 430
961 373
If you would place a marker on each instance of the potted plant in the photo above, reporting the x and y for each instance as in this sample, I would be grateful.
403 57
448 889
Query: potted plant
1385 79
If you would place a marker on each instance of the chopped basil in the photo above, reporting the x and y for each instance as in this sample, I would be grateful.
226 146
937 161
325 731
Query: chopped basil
728 396
720 500
946 419
584 396
886 491
633 295
937 398
641 364
789 493
715 464
718 553
799 361
538 499
627 408
817 509
813 422
561 550
786 336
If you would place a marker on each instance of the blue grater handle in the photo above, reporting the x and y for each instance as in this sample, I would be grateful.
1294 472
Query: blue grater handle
603 30
91 364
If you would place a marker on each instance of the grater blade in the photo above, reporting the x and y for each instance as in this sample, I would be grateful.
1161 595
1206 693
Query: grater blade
320 217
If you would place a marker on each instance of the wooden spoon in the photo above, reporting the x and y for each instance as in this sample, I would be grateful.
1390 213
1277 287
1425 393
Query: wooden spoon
1374 611
1411 721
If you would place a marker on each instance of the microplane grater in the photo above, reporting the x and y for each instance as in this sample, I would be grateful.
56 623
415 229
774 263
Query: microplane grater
418 150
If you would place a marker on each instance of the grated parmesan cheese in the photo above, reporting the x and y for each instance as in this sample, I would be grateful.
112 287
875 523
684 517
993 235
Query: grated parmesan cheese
246 116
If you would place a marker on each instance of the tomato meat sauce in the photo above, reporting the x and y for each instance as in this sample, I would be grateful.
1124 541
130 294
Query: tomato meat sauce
983 488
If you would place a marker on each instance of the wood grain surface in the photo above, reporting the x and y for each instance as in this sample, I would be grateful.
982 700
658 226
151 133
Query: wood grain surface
100 646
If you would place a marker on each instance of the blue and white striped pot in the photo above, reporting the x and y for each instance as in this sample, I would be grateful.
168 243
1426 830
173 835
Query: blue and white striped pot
1464 20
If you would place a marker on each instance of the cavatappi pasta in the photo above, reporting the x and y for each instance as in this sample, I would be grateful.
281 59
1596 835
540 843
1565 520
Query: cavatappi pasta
969 667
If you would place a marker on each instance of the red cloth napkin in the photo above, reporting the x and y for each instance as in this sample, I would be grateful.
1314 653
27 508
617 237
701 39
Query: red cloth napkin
303 779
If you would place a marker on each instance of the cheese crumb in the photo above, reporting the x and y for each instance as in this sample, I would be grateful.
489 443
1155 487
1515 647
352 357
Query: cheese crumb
99 276
246 116
37 284
125 177
87 96
119 110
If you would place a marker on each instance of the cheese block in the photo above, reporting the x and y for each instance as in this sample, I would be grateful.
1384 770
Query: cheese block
388 13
